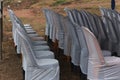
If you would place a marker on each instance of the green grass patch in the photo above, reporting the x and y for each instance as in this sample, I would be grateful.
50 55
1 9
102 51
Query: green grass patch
61 2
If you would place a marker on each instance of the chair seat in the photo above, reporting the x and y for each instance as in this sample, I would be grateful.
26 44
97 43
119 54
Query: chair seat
112 60
31 32
27 25
44 54
106 53
47 62
37 38
30 29
33 35
39 42
49 70
49 74
41 47
109 71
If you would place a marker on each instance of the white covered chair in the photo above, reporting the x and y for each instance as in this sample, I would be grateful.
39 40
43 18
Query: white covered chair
35 45
92 22
14 17
26 27
34 37
54 30
84 54
37 69
112 33
72 45
99 67
40 52
35 40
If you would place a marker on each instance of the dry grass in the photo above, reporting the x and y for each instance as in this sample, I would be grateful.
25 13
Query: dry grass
35 16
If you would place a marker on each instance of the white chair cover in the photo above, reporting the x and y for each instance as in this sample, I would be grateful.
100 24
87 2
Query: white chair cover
112 35
72 45
99 67
15 21
54 27
84 51
36 46
37 69
84 54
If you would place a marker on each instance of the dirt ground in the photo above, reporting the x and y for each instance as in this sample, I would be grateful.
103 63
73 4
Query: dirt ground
10 66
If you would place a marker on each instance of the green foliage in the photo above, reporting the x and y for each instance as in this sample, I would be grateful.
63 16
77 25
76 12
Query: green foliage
59 2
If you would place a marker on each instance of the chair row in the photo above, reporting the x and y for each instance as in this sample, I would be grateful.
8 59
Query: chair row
67 39
111 19
91 21
106 28
79 35
37 60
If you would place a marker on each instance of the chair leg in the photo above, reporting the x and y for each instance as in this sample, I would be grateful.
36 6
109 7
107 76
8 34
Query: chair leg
83 76
68 58
23 74
114 54
75 68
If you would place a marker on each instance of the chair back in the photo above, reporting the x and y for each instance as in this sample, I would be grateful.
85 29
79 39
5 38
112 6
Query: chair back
95 53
